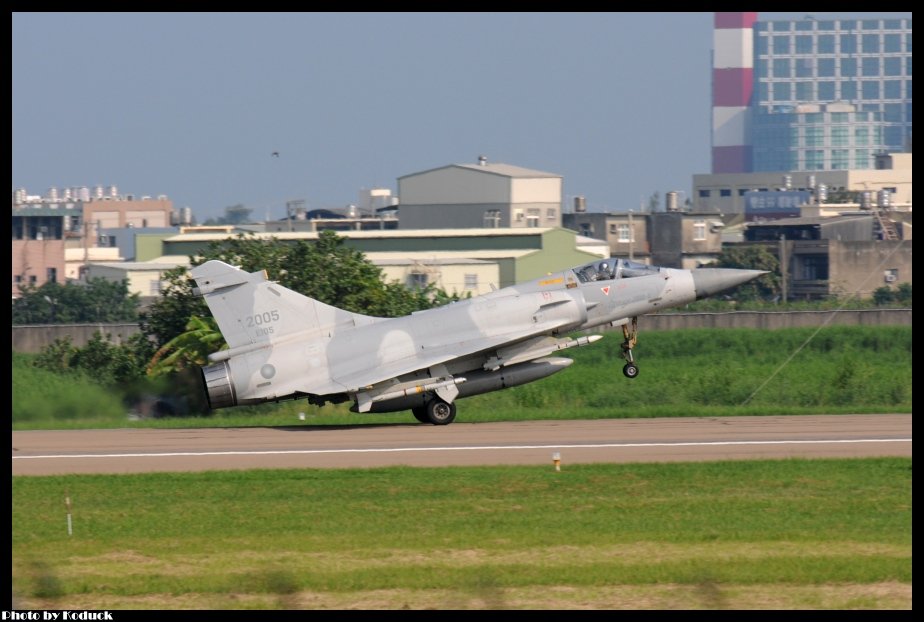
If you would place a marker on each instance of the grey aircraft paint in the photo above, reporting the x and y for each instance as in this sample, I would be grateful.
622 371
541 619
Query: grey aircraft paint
283 345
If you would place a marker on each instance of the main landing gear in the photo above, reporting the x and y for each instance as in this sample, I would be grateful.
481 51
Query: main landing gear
630 336
436 411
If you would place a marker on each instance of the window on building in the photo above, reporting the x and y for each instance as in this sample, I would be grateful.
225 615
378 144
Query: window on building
814 136
892 66
762 44
471 281
871 89
699 230
848 67
826 91
861 136
871 44
17 279
892 113
804 44
840 136
804 91
492 218
892 89
725 192
840 159
870 24
518 215
861 158
805 67
51 275
417 280
587 229
781 68
33 279
892 137
703 194
892 43
826 67
551 214
781 44
870 66
782 91
612 227
848 90
826 44
814 159
814 267
742 191
532 218
760 68
625 234
155 287
849 44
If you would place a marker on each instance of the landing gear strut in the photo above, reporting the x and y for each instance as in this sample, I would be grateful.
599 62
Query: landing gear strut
629 339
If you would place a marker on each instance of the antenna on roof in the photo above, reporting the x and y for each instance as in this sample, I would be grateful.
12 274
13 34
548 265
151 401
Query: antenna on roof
482 160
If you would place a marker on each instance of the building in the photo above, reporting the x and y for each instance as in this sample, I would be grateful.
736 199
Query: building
732 194
833 256
480 196
57 235
673 238
842 86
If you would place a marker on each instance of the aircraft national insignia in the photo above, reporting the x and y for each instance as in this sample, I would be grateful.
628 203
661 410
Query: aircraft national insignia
605 290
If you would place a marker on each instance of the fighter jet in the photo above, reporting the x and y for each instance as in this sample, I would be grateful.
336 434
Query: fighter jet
283 345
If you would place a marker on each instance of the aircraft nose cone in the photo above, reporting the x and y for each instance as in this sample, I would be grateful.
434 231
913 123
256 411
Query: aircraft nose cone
709 281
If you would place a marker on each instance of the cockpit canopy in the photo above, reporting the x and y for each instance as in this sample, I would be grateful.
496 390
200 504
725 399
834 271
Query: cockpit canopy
609 269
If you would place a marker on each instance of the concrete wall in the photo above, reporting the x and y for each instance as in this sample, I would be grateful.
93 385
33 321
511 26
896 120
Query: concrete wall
31 339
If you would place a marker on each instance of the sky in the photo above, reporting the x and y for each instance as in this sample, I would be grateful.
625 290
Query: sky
193 105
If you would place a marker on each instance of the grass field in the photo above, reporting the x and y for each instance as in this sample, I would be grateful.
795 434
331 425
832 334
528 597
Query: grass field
790 534
696 372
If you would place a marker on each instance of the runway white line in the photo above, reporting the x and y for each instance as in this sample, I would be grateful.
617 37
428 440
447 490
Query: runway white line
471 448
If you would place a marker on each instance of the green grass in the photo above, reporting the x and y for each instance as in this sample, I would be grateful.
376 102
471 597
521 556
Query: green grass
694 372
744 534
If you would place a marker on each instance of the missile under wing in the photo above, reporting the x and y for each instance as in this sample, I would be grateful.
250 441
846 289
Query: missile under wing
283 345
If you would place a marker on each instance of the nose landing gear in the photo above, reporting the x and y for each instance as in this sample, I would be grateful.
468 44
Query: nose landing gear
630 336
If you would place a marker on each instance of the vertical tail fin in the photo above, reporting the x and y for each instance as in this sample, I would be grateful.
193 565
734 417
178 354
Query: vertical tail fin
249 309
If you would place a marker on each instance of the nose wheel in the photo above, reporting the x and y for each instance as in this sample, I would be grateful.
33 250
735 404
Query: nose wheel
630 336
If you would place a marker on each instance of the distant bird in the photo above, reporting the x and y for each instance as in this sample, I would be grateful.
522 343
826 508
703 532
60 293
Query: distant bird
275 154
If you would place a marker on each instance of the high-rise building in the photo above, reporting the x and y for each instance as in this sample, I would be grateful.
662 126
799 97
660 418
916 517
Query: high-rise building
827 94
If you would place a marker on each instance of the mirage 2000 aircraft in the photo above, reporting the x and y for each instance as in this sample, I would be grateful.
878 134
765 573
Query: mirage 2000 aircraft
283 345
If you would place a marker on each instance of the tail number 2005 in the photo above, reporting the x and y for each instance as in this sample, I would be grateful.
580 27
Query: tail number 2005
261 321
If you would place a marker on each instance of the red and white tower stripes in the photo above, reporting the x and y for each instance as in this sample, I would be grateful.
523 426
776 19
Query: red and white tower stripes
732 86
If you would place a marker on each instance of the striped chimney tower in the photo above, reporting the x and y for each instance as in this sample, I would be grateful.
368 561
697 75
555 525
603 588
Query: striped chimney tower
732 84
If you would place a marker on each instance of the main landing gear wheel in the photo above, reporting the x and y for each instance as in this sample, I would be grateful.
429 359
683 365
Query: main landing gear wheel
420 413
440 412
630 370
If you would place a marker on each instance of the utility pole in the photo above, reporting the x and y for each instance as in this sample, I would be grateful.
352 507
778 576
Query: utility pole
631 236
784 265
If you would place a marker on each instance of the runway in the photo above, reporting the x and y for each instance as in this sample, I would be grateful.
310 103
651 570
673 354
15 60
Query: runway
530 442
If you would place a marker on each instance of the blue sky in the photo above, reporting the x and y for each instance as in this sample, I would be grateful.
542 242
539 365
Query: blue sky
192 105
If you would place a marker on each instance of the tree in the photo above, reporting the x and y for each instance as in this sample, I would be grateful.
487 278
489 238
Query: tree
97 301
753 257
